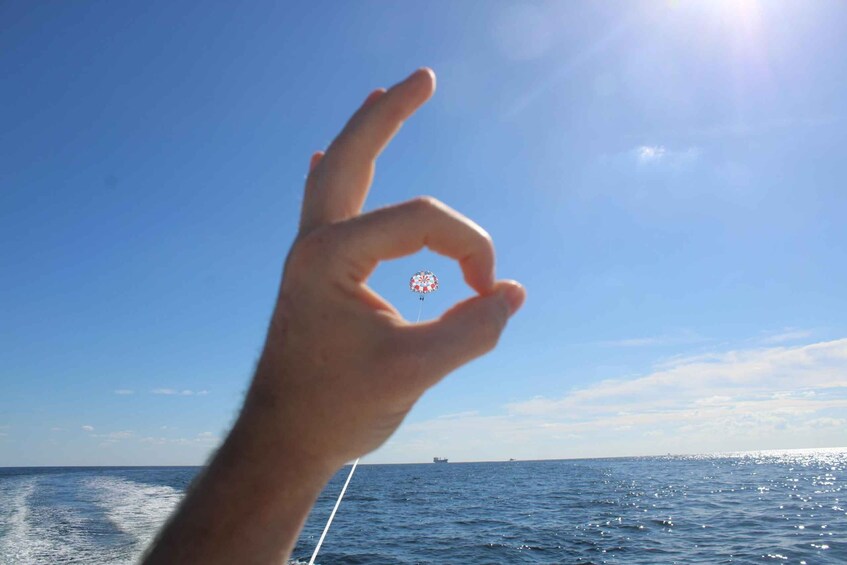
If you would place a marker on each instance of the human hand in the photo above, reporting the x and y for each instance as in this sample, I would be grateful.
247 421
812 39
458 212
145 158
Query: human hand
341 368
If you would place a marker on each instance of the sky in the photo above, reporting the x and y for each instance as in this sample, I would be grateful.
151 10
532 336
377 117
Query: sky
667 179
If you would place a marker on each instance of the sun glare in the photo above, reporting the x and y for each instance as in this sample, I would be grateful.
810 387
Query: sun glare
741 15
744 15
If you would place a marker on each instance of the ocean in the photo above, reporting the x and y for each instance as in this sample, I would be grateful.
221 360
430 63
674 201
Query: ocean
757 507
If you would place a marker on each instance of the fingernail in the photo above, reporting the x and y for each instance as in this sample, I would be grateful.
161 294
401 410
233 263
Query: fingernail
515 295
425 70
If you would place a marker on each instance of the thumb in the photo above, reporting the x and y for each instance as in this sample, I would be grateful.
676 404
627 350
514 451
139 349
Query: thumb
468 330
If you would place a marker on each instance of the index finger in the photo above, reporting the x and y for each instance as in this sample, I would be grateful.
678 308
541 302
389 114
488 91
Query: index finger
405 228
337 188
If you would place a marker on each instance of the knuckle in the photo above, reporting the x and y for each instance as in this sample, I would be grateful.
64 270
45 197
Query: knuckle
485 236
316 248
427 204
485 240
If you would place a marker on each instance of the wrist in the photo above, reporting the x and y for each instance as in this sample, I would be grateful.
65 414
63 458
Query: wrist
266 487
262 435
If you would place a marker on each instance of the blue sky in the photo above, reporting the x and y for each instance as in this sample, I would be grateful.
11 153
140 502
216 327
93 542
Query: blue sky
666 178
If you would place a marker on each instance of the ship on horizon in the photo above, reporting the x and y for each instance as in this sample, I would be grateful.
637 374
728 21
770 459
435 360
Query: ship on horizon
439 460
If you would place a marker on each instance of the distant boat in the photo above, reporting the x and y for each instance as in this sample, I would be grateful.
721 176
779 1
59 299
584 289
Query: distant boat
439 460
510 460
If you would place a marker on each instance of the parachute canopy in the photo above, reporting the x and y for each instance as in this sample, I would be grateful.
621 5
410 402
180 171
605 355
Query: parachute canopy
423 282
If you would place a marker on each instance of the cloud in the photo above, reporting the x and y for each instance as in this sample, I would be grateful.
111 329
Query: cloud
736 374
649 153
838 423
87 428
755 398
458 415
786 335
176 392
203 438
112 438
125 434
124 391
656 155
681 338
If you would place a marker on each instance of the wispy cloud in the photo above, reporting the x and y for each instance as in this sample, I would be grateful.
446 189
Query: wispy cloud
656 155
124 391
459 415
203 438
682 338
179 392
788 334
111 438
742 375
757 398
650 153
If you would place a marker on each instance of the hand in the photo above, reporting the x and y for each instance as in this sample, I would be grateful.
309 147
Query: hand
341 367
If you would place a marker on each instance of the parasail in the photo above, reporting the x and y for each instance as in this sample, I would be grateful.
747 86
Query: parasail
423 282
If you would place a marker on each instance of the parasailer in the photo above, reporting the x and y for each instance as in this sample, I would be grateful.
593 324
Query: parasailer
423 283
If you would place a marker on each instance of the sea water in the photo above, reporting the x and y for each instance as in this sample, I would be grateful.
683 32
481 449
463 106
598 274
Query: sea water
758 507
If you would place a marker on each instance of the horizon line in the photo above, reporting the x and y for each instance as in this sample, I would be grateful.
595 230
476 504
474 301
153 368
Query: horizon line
712 453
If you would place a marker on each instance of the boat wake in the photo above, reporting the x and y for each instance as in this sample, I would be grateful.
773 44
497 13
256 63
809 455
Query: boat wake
92 520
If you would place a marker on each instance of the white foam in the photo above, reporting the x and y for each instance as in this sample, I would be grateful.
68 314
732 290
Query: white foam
34 533
14 495
137 509
33 530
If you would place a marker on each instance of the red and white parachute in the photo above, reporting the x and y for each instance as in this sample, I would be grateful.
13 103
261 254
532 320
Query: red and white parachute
423 282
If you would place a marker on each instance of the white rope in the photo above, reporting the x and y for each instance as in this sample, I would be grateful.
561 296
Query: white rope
334 510
420 309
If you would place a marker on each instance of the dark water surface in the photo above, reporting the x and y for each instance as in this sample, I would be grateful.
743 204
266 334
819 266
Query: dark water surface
773 507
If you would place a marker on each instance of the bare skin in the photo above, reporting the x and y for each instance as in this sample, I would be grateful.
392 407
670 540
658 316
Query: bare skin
340 367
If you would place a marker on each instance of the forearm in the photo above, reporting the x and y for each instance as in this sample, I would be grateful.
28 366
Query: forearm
249 505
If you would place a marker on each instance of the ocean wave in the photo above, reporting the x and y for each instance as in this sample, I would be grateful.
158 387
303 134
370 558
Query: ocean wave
36 529
136 509
14 535
87 520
